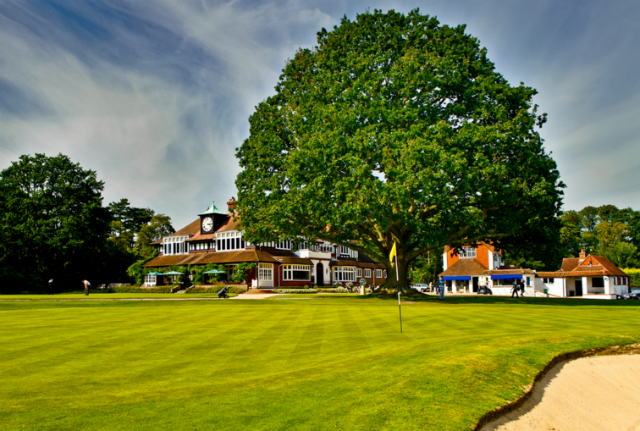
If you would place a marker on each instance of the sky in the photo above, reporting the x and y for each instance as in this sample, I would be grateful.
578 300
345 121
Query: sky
155 96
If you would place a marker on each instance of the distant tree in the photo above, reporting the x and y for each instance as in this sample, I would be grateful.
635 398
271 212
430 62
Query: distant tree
127 221
395 129
158 227
52 222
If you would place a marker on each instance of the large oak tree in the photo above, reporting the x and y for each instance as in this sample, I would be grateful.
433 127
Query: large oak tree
395 128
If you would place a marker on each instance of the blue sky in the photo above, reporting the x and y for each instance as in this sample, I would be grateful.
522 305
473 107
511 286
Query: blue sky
155 95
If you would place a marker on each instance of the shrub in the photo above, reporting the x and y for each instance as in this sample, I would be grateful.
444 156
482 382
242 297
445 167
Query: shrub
134 289
333 290
296 290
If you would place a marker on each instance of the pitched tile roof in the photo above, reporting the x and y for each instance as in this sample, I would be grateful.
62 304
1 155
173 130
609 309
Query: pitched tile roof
464 267
510 271
230 224
221 257
573 267
570 263
190 229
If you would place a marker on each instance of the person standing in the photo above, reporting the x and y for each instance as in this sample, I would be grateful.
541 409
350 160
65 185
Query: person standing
442 287
515 288
51 287
522 287
87 285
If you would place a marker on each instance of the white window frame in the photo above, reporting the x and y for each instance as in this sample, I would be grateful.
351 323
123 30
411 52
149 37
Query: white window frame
367 273
468 253
287 272
359 273
265 271
378 273
344 273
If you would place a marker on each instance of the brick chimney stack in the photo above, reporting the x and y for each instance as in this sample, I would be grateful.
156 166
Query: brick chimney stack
232 204
583 255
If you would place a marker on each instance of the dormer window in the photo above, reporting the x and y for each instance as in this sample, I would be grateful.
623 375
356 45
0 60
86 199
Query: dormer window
467 252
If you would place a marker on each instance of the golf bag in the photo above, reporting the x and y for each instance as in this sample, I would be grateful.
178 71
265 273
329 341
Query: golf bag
223 292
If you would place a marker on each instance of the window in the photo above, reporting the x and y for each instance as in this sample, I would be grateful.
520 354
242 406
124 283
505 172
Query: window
468 252
265 271
359 272
367 273
548 280
296 272
344 273
378 273
385 274
597 282
344 250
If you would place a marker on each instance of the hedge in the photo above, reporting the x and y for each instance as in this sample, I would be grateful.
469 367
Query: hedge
213 289
634 276
333 290
296 290
134 289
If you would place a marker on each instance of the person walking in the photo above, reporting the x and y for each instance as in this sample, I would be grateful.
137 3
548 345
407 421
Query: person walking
87 285
442 287
515 288
522 288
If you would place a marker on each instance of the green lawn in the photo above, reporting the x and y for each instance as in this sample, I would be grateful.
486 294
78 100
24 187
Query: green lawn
78 295
322 364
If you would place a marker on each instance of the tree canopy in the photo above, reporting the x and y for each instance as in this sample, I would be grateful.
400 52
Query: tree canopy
395 128
52 222
604 230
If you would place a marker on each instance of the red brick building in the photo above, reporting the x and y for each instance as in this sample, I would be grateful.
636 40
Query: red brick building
217 237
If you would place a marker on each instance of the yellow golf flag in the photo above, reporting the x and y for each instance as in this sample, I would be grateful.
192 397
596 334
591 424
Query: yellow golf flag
393 252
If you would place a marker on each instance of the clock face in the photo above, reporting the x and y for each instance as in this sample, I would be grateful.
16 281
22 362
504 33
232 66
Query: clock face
207 224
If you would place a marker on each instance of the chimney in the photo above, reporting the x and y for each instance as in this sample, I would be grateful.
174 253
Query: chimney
583 255
232 204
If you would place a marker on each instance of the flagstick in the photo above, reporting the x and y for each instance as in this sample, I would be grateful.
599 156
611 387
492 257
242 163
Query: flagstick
398 280
400 311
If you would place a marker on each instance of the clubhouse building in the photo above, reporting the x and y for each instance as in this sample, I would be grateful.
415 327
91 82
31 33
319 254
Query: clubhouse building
215 237
482 265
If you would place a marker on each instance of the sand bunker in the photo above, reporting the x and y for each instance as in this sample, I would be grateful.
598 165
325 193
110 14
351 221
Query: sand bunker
587 394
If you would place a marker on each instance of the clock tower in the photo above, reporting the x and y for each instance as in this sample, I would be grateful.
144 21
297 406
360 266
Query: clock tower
211 219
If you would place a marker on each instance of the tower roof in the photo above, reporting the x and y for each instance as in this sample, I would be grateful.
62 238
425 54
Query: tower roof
213 210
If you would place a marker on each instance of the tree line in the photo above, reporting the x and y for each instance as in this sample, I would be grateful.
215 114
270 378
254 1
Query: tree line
53 225
606 231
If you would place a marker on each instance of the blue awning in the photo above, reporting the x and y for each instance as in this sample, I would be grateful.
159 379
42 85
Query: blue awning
457 278
506 277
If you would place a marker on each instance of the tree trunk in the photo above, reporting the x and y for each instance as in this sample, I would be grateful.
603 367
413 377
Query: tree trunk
394 284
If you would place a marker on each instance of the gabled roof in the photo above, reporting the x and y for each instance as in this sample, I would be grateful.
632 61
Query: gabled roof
573 267
465 267
608 267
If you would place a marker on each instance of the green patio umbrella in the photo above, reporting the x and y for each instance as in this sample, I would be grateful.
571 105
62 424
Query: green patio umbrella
155 273
173 273
215 271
